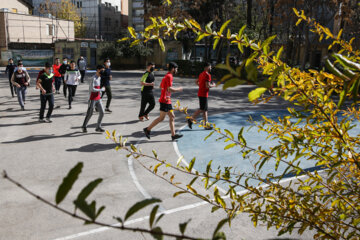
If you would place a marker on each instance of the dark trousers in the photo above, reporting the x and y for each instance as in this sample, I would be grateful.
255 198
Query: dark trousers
58 81
11 86
72 91
108 94
46 98
82 73
64 86
146 98
94 104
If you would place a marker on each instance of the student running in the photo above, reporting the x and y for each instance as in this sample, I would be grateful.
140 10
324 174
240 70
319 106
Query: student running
106 77
72 78
10 68
82 65
62 70
165 103
95 100
147 95
204 83
21 80
57 76
46 86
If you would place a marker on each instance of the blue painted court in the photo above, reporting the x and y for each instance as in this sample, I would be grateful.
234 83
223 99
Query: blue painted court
193 144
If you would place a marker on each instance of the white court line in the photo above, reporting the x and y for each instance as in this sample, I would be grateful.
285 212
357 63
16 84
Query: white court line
102 229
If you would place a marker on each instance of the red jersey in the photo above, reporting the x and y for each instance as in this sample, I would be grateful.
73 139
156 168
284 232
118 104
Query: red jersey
204 78
56 70
166 82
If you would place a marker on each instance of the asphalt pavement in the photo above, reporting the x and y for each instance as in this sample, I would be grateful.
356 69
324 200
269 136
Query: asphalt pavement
39 155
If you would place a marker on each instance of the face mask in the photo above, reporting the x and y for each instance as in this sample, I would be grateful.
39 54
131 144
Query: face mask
108 64
152 69
20 68
65 62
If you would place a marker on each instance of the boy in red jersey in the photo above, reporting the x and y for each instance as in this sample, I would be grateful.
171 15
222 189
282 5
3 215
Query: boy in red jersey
204 83
165 103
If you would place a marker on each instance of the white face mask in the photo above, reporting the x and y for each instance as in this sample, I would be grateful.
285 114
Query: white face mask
108 64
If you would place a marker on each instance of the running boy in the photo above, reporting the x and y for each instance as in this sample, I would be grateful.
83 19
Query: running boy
57 75
62 70
10 68
106 77
147 95
95 100
21 80
72 78
45 84
204 83
165 103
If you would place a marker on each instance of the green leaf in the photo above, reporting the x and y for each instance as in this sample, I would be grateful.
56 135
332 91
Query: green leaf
219 226
195 24
132 32
251 58
230 146
209 135
268 41
161 43
86 191
335 71
191 164
342 95
233 83
224 26
140 205
200 37
219 236
178 193
208 27
278 55
346 62
255 94
241 31
216 43
153 215
68 182
157 233
229 133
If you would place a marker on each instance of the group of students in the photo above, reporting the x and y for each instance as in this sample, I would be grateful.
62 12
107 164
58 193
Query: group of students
100 85
147 97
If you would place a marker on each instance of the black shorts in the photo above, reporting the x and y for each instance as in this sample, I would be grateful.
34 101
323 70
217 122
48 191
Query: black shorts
203 103
165 107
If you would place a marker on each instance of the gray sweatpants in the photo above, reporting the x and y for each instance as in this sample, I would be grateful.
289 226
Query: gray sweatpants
99 107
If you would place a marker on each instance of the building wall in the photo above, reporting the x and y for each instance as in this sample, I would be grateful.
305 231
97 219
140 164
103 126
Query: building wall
110 19
125 13
21 28
14 6
102 18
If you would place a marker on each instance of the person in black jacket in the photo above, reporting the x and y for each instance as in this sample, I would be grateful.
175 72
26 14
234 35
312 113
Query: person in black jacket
62 70
45 84
10 70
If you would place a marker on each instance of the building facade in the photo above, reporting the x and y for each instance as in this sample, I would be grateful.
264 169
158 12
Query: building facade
102 18
27 37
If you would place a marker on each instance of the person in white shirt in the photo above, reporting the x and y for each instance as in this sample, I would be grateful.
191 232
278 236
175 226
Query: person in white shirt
72 78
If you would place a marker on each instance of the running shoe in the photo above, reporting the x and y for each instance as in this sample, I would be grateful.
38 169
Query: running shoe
190 123
48 120
84 130
147 133
147 117
107 110
141 119
41 120
99 130
176 136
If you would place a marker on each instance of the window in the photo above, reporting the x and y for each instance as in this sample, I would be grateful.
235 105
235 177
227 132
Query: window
50 29
68 52
117 8
79 4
